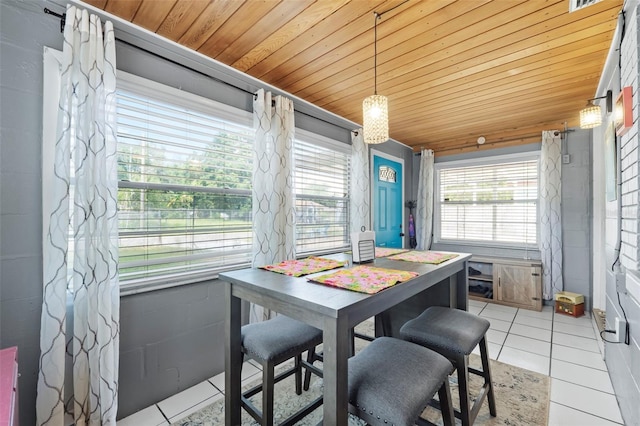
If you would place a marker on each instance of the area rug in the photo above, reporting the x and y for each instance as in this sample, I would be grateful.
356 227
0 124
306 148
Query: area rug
522 398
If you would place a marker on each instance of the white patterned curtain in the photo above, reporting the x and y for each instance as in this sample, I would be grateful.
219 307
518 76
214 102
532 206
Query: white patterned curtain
550 213
273 195
360 201
424 208
80 247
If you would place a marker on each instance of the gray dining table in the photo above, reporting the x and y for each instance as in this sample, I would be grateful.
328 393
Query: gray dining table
335 311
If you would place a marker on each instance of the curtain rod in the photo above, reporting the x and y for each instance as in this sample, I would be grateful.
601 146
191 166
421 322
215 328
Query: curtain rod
498 142
62 17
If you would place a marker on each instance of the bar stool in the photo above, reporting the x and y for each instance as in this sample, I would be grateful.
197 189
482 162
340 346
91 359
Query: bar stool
391 382
454 334
271 343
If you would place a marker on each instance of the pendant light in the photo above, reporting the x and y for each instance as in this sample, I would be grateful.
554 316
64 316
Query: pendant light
375 108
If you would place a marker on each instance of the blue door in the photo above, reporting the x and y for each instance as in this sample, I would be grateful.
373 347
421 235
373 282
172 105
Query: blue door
387 202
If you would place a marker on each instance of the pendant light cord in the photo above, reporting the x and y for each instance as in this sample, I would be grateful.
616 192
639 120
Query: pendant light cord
375 52
375 44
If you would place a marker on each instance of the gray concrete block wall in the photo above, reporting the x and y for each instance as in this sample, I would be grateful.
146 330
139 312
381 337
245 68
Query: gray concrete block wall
170 340
24 31
623 361
576 215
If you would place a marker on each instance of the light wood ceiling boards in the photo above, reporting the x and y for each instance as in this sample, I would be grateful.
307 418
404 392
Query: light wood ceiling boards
453 69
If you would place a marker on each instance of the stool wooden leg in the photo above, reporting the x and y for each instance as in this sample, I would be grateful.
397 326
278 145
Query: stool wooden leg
298 374
486 369
352 343
267 394
311 358
462 366
446 404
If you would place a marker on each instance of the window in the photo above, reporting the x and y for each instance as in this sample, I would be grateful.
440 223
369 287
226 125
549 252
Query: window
184 171
493 202
321 183
184 190
184 197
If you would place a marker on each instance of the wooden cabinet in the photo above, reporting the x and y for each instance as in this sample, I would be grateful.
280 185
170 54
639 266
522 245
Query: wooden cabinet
519 285
512 282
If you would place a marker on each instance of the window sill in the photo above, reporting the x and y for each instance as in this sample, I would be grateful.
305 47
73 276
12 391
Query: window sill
160 283
153 284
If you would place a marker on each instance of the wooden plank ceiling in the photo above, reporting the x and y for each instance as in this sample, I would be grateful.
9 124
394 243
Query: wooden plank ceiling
453 70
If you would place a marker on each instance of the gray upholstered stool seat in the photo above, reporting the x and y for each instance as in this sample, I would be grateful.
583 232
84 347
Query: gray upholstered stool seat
454 334
271 343
392 381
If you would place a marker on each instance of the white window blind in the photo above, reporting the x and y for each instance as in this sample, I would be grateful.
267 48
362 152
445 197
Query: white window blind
322 197
184 196
490 203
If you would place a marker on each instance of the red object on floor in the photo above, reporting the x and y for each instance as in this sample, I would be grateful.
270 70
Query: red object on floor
570 309
9 386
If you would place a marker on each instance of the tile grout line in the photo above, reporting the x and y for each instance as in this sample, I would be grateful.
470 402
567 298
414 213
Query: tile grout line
508 332
163 414
217 388
576 335
580 365
529 352
580 349
589 414
589 327
192 404
553 323
550 341
583 386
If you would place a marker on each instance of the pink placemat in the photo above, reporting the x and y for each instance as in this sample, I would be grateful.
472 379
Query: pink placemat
310 265
432 257
364 279
384 252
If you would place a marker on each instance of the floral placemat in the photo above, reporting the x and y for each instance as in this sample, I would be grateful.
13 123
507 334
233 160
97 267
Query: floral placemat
384 251
364 279
432 257
310 265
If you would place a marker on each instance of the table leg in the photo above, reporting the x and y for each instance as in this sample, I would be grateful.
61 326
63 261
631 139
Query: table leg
335 348
460 288
232 363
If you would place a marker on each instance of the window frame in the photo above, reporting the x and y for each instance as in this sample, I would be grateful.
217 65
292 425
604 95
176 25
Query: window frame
163 93
167 94
308 137
475 162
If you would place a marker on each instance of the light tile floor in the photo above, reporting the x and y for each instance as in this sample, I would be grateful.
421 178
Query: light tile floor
556 345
